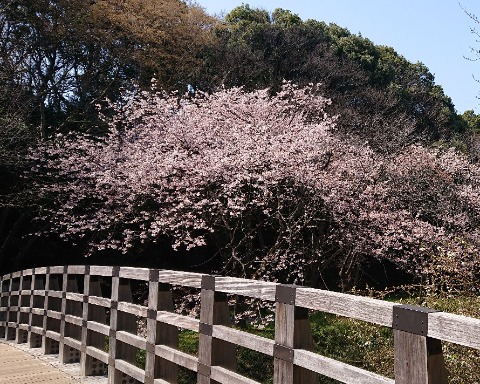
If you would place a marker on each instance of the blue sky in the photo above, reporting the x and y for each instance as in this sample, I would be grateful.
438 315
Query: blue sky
434 32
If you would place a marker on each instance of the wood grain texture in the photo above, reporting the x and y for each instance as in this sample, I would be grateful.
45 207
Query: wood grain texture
96 270
58 269
97 354
73 320
356 307
126 322
134 273
186 279
133 309
41 271
455 329
181 358
74 296
337 370
53 335
130 369
417 361
72 342
131 339
284 336
76 269
244 339
213 351
98 327
251 288
100 301
180 321
223 375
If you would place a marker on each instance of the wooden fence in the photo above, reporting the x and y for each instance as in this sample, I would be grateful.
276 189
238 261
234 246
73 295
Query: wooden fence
62 310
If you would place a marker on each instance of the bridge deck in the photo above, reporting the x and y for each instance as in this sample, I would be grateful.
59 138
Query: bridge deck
19 367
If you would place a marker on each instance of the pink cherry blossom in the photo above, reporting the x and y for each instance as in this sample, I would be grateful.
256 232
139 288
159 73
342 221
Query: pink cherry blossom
263 181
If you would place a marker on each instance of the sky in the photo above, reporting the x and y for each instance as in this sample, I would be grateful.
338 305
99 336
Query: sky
434 32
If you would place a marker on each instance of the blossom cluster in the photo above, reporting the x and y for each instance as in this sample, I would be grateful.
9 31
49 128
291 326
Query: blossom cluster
263 181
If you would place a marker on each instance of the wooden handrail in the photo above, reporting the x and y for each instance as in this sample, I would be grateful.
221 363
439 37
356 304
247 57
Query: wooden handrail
61 309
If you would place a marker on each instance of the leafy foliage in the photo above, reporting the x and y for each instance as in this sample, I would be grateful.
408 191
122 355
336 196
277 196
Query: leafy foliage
378 95
69 55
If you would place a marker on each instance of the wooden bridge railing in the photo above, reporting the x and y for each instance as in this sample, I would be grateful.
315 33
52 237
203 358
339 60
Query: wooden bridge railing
62 310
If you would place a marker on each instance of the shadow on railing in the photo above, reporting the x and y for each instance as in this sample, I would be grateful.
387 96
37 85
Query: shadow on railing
62 310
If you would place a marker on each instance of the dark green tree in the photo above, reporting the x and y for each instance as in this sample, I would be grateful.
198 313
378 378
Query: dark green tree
379 96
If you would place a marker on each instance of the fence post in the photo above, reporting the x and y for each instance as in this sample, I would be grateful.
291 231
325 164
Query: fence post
20 333
50 346
89 366
212 351
69 354
418 358
159 298
112 342
120 321
292 330
4 308
34 339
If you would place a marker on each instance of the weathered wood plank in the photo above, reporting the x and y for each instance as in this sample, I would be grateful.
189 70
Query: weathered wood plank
74 296
130 369
72 342
97 354
134 273
54 314
356 307
100 301
98 327
180 321
177 357
223 375
161 298
134 340
418 359
337 370
134 309
41 271
73 320
58 269
37 330
455 329
186 279
53 335
126 322
251 288
244 339
284 337
76 269
213 351
97 270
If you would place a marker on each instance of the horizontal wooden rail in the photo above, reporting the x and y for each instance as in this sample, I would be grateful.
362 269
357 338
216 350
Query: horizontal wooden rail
62 310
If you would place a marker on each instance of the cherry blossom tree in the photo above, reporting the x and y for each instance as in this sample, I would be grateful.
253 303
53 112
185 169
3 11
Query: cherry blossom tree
263 181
